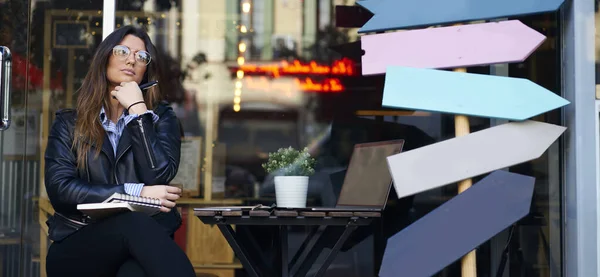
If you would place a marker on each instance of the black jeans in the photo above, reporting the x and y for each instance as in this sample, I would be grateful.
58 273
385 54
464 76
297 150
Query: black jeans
129 244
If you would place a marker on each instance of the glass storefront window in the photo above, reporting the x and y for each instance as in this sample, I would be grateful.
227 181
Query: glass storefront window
51 43
248 77
253 82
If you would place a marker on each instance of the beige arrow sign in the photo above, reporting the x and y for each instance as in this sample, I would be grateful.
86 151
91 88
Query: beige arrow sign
468 156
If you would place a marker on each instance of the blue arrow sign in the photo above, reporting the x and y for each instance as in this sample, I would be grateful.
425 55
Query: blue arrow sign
458 226
398 14
480 95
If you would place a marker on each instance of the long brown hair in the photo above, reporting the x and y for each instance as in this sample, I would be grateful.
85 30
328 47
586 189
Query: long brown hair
94 94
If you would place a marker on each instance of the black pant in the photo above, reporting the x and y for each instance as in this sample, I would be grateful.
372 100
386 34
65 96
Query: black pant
129 244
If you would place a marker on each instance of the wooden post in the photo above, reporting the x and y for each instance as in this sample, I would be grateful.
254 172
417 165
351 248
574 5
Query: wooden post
462 128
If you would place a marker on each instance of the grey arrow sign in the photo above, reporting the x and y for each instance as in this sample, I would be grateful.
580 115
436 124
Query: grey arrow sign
472 155
458 226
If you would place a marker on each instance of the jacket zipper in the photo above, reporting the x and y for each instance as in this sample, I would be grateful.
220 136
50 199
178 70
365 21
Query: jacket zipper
78 223
148 153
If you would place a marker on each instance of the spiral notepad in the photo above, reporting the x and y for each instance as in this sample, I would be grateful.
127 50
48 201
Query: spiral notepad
119 203
135 200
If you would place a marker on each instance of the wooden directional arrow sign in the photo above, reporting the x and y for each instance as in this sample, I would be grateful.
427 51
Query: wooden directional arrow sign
369 4
472 155
351 50
466 93
399 14
351 16
458 226
450 47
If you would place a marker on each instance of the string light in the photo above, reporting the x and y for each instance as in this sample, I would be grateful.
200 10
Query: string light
246 7
240 75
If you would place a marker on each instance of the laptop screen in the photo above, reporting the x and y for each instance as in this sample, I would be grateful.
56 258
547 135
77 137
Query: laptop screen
368 181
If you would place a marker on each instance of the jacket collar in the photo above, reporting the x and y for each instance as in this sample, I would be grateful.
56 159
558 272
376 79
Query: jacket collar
104 119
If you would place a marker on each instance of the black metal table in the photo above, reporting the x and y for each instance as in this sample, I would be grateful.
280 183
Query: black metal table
323 229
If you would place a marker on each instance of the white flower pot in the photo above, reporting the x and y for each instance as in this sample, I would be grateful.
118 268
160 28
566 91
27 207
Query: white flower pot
291 191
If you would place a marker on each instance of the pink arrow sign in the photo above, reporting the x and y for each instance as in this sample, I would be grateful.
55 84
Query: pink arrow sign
450 47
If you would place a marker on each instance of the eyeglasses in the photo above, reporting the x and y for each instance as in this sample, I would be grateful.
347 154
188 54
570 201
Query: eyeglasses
123 52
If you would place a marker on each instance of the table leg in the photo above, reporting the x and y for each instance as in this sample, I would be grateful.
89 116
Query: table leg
336 248
241 253
312 252
245 237
283 249
305 248
379 244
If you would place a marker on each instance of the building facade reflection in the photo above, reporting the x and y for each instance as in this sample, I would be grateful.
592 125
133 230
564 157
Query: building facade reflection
247 78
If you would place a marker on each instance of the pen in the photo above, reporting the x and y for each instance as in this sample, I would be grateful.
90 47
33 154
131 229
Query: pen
146 86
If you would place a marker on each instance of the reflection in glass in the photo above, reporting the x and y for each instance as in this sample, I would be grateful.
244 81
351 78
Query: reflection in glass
249 77
259 75
63 38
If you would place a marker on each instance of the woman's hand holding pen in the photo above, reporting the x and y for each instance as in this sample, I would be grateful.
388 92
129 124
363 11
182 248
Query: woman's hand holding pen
130 97
167 195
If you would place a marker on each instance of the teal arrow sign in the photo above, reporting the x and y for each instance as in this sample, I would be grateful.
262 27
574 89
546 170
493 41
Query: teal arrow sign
466 93
399 14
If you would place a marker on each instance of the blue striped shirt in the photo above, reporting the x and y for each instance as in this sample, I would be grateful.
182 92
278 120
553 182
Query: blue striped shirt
114 132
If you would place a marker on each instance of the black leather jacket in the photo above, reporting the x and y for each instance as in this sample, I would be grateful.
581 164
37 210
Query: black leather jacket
147 153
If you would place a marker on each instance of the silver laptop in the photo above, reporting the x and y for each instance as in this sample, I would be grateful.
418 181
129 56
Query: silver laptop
367 181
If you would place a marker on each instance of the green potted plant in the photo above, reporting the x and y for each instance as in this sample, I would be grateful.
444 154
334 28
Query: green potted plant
291 168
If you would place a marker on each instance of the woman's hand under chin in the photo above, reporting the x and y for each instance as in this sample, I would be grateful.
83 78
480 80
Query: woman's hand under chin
129 93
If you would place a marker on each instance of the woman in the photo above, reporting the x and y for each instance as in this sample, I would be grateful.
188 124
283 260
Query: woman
117 140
